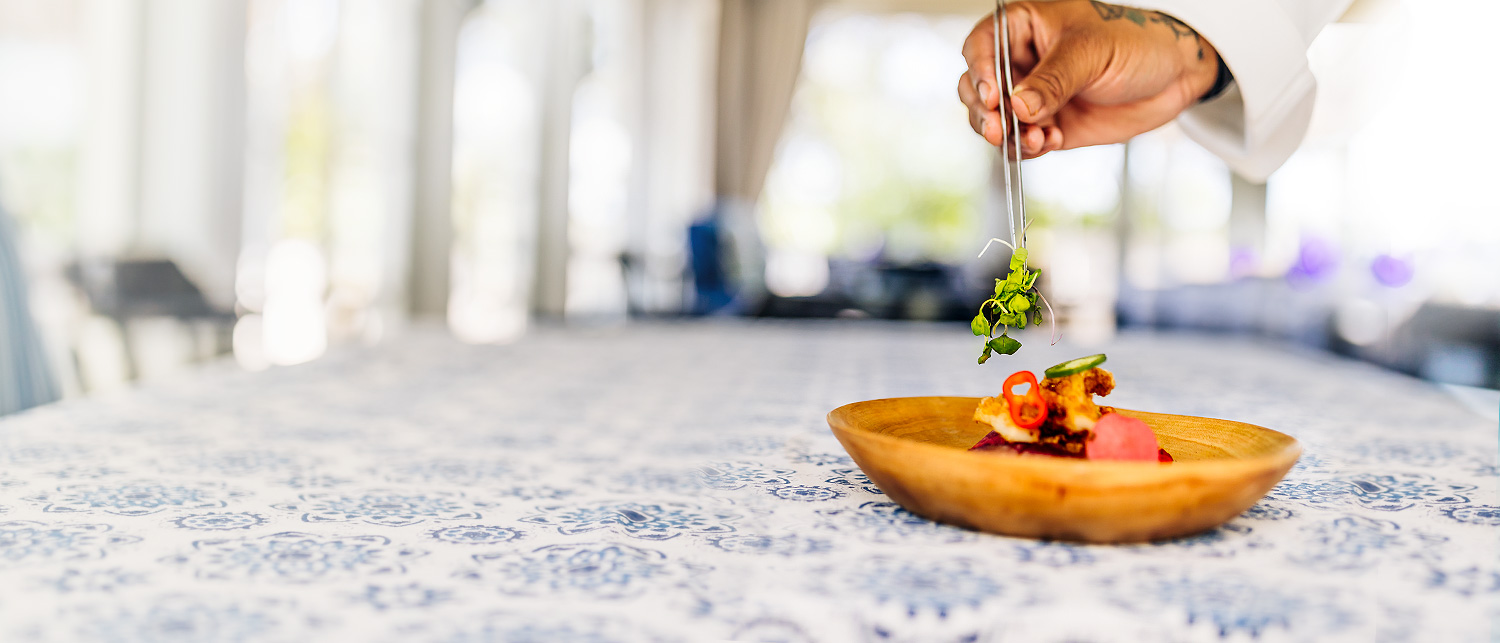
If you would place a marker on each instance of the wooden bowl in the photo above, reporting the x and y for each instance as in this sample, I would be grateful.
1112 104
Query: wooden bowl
916 450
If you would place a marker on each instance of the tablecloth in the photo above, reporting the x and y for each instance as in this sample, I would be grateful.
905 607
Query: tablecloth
678 482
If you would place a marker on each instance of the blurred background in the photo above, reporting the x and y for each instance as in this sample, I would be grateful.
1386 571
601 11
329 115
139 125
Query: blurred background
272 178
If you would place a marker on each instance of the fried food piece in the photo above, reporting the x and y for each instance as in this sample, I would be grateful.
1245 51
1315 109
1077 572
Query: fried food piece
995 412
1070 400
1071 411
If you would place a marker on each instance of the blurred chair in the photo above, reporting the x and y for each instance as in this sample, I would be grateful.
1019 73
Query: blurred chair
25 378
123 290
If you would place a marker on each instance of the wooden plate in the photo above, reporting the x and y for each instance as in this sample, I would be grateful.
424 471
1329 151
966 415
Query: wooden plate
916 450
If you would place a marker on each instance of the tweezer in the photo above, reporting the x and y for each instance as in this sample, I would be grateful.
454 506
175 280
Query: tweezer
1015 199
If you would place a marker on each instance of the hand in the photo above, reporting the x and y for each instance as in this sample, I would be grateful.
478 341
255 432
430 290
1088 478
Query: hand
1086 73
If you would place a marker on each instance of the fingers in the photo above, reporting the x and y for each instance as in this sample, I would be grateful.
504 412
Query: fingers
986 122
1060 74
979 50
979 53
979 88
1054 139
1048 139
1037 140
1034 140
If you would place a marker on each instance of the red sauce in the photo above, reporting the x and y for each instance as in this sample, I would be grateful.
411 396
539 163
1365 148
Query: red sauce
993 442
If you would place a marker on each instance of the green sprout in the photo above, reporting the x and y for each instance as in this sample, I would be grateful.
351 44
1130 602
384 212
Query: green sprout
1014 305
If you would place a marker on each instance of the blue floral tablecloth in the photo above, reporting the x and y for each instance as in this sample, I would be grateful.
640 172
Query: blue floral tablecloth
677 482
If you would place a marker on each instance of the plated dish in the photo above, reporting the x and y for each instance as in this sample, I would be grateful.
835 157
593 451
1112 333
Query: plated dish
933 457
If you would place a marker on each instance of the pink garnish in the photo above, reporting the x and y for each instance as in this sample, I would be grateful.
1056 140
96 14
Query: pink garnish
1117 437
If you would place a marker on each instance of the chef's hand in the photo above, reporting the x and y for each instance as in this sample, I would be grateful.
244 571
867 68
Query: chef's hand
1087 73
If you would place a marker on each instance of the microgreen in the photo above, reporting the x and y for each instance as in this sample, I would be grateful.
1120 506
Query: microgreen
1014 305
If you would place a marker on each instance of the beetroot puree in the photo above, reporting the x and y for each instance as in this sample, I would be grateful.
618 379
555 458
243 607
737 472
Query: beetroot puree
993 442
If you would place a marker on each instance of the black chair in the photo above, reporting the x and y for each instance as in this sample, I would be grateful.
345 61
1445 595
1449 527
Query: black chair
127 289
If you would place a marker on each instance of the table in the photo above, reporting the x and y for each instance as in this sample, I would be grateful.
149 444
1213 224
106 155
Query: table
677 481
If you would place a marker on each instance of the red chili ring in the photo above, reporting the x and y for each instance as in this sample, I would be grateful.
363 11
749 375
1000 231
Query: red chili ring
1020 404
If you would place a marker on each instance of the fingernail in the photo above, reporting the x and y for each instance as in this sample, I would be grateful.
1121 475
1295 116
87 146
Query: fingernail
1032 100
984 92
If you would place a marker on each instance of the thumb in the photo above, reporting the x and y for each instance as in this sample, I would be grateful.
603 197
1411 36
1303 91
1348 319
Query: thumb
1057 77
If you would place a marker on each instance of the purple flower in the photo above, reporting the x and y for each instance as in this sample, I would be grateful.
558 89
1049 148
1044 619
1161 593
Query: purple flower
1392 271
1316 261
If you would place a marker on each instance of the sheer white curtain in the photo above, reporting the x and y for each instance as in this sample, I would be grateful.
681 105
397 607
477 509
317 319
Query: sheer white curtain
760 55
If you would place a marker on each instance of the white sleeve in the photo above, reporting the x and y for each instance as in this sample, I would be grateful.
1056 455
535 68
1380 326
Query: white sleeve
1261 119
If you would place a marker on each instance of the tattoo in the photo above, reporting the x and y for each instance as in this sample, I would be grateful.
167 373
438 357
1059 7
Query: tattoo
1108 12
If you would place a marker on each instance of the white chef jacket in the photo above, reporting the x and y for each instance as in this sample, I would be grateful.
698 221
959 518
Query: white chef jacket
1259 121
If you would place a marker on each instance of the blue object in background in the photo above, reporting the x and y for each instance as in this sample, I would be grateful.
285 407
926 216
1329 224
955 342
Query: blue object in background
706 254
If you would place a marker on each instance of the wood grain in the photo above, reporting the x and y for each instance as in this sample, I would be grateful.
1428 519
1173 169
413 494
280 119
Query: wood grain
916 450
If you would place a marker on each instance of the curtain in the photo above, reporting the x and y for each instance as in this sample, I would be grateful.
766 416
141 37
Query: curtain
25 379
760 55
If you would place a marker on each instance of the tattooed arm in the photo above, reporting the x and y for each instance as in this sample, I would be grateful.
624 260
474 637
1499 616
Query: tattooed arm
1090 73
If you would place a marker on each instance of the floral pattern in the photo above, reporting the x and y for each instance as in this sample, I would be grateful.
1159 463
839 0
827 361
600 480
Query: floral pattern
649 480
608 571
452 471
380 508
888 522
134 499
678 482
220 521
917 585
241 462
654 521
1054 554
178 618
24 542
787 545
1357 544
1267 510
476 535
854 479
106 580
1392 492
1231 605
404 596
823 459
1468 582
295 557
738 475
1475 515
520 627
806 493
